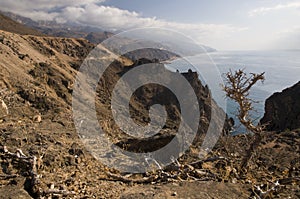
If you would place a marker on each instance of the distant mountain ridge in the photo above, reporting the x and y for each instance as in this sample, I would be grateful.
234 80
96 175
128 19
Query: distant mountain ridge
7 24
96 35
52 28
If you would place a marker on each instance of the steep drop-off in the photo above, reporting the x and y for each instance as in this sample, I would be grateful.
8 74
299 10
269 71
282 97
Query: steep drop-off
36 84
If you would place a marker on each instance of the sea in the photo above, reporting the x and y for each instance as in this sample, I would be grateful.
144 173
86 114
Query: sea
281 67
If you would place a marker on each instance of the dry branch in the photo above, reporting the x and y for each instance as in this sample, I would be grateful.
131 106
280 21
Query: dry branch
237 87
115 177
211 159
32 165
59 192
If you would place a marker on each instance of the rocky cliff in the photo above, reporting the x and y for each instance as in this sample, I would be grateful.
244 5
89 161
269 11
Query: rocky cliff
146 96
36 83
282 110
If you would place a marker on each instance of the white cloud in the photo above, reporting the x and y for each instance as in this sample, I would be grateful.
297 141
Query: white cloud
111 18
105 17
44 4
42 9
264 10
91 12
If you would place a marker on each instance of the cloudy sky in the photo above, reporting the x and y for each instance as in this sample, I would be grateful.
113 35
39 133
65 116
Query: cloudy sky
222 24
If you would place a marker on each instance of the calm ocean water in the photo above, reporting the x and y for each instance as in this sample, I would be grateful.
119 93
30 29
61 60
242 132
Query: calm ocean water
282 70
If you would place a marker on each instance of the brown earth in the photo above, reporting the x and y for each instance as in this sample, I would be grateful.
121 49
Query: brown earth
36 84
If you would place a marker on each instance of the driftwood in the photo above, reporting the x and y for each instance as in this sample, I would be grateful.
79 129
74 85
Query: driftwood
33 178
179 172
261 193
115 177
59 192
211 159
159 177
5 177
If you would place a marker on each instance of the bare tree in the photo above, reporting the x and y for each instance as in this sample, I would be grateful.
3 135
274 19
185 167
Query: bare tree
237 87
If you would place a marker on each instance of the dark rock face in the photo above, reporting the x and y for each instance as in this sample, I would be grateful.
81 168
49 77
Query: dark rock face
151 94
150 54
282 110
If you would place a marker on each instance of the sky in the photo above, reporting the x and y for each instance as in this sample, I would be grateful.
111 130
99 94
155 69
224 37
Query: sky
221 24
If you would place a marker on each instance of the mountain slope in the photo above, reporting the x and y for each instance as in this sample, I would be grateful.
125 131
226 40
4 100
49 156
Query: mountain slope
36 80
97 35
52 28
10 25
36 83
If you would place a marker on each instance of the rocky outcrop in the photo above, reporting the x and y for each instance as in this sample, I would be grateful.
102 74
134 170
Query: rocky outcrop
147 95
151 54
282 110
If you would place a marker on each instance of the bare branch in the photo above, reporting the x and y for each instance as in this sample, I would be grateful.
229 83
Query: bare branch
31 163
237 86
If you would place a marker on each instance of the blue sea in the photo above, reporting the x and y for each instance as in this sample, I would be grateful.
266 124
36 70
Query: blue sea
282 70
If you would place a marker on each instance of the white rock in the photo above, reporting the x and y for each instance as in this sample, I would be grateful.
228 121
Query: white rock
37 118
3 108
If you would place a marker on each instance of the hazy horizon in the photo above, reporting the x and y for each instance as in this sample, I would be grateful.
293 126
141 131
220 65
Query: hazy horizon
223 25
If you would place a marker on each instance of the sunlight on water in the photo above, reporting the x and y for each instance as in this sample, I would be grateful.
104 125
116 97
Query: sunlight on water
282 70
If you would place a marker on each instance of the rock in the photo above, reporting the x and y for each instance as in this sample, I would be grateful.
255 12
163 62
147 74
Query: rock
233 180
76 150
3 108
1 38
282 110
151 54
37 118
200 173
22 56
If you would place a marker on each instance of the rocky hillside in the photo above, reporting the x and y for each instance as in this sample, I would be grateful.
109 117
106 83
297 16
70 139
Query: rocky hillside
40 69
36 85
150 94
282 110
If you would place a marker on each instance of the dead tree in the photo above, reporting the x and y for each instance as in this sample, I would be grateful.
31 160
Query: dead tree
237 87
